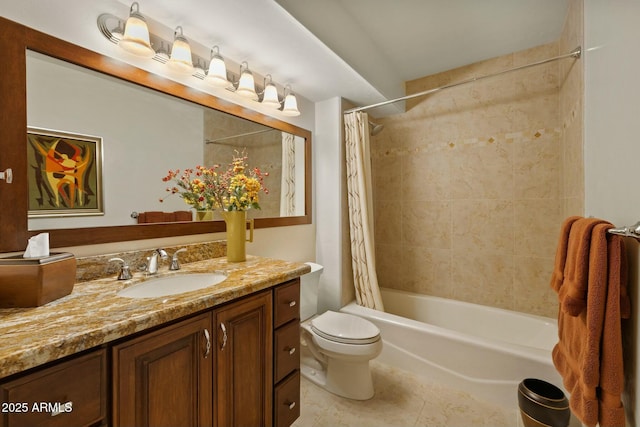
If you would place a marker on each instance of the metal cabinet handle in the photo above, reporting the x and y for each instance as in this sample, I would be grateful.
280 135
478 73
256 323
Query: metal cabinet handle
62 408
224 336
207 349
291 405
291 350
7 175
292 304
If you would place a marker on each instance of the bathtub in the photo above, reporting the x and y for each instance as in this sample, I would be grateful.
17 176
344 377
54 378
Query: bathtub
482 350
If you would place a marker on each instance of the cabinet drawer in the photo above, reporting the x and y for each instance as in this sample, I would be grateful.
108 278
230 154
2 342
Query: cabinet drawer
72 393
287 350
287 303
287 401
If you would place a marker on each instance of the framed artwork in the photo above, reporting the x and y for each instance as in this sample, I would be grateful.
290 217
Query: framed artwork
64 173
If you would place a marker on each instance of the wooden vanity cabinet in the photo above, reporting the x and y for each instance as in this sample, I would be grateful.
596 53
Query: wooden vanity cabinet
286 400
69 393
235 365
164 378
243 362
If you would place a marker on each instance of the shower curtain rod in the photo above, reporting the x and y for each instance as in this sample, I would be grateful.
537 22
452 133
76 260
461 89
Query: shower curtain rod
575 53
241 135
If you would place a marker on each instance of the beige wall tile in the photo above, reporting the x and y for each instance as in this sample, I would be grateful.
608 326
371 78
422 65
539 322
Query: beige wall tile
536 165
483 278
483 226
388 222
537 223
426 271
532 292
482 169
427 224
426 175
484 174
387 177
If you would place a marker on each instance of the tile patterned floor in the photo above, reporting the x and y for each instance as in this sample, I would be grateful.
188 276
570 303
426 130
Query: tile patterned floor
401 400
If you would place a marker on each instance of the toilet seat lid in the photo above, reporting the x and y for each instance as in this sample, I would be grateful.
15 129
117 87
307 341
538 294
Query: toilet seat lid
345 328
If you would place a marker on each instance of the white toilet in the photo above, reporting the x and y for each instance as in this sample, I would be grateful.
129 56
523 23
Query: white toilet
336 347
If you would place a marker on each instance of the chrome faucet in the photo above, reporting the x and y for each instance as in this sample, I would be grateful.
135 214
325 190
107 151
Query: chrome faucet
152 267
125 272
175 263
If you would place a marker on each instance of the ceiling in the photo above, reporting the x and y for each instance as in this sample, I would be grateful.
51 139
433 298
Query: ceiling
361 50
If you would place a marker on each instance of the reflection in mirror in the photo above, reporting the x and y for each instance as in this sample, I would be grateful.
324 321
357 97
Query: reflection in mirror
145 133
280 154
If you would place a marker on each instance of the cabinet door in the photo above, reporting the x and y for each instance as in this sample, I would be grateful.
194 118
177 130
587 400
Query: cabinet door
164 378
70 393
244 384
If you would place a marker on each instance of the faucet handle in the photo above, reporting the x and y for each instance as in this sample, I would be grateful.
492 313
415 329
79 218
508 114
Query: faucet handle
175 263
125 273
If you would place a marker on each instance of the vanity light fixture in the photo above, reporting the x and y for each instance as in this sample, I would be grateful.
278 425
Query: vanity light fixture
198 69
118 32
180 59
290 107
135 38
270 93
217 74
246 86
162 53
136 34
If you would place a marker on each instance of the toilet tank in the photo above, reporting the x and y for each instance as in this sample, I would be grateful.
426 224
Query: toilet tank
309 291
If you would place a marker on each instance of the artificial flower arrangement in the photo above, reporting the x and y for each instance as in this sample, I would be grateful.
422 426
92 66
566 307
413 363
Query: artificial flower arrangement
236 189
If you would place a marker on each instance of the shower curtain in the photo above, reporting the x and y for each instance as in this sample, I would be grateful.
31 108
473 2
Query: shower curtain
360 200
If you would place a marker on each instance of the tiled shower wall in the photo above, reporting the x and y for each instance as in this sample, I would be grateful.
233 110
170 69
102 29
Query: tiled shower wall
571 113
472 183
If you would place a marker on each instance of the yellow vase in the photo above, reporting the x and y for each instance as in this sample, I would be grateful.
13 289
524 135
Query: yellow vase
204 215
236 222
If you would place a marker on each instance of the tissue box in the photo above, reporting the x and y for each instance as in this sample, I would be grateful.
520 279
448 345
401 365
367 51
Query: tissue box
32 282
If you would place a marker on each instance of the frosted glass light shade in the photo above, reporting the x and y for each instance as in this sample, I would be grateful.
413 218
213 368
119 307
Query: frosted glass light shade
136 35
180 59
217 74
270 98
290 106
247 86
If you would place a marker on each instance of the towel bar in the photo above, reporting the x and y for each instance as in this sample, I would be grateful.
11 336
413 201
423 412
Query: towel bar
629 231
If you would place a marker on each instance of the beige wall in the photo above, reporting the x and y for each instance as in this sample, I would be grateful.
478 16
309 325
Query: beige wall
472 183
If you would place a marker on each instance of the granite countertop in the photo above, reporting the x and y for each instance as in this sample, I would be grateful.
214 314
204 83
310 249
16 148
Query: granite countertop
93 314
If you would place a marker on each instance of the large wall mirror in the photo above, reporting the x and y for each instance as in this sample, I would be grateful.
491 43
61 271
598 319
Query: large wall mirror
145 126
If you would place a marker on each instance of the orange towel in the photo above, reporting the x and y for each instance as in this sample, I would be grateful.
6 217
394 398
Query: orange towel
611 365
561 253
573 291
588 354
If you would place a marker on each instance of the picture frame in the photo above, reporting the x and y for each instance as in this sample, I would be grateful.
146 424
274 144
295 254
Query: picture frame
64 173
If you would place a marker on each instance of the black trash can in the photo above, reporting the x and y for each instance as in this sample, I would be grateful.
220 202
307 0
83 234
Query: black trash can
542 404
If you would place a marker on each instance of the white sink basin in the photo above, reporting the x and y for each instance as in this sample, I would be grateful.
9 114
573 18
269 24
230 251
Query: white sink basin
172 285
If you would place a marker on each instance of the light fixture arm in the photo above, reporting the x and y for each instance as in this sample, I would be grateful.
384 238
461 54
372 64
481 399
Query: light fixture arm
137 6
175 32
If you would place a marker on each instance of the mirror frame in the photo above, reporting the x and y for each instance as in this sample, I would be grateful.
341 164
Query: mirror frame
15 40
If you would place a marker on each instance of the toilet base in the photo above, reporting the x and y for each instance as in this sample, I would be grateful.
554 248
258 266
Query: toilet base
345 379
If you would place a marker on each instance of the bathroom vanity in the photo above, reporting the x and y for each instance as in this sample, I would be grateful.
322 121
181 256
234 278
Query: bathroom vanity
220 356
